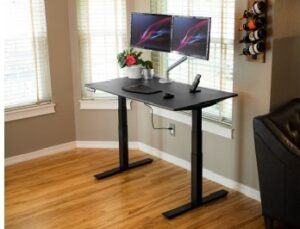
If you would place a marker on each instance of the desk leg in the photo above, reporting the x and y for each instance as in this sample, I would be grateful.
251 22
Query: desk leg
123 145
196 173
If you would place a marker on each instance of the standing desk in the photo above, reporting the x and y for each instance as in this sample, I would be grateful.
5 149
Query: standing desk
183 100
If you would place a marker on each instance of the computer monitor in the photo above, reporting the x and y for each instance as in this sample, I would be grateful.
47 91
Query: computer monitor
151 31
191 36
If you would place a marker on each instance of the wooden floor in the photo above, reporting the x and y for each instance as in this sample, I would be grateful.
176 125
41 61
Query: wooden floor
59 191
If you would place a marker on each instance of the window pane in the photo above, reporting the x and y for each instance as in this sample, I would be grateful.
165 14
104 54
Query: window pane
26 64
102 35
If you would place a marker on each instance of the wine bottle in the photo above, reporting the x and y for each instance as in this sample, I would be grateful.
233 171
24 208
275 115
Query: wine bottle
254 36
247 14
257 8
254 23
255 49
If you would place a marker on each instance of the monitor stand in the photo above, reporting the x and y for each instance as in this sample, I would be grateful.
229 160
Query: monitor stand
167 79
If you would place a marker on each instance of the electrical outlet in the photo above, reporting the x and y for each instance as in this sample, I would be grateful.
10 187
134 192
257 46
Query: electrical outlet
172 131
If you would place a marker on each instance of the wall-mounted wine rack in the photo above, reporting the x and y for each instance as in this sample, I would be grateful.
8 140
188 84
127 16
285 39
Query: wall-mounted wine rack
254 31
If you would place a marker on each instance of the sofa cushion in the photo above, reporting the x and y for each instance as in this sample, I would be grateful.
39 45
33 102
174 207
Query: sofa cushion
285 124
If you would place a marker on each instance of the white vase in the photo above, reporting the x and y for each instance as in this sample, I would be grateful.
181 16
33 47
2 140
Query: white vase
133 72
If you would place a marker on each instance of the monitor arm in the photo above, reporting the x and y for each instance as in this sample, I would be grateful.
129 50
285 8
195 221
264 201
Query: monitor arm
178 62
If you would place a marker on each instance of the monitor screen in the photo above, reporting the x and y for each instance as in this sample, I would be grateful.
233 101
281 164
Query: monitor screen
151 31
191 36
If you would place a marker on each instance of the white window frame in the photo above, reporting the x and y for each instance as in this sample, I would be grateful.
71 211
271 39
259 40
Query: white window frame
29 112
40 107
101 101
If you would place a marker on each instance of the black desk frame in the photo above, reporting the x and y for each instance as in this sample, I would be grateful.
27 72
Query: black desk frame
197 161
196 172
123 145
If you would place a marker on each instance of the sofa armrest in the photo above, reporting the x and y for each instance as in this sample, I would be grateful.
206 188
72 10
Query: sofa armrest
278 149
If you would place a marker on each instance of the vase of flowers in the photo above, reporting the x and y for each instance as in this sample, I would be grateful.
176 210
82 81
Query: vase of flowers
132 63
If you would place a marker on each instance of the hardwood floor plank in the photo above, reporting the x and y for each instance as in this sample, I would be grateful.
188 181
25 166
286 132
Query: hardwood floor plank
59 191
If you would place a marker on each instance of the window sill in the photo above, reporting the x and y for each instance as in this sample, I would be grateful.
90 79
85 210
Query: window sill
29 112
102 104
207 125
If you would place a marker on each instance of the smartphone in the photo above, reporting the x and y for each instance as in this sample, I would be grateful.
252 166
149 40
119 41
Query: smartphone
194 86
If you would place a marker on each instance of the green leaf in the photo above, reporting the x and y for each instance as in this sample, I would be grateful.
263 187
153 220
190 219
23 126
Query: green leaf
140 61
148 64
122 63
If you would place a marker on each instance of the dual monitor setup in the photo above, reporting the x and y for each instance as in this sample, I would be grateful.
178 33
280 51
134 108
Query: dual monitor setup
189 36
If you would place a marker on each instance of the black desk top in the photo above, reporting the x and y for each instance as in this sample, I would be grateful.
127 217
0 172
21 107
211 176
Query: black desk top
183 99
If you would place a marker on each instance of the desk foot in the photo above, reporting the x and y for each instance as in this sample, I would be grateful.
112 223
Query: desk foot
118 170
184 208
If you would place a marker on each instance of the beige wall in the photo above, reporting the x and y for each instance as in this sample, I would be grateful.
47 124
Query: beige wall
286 71
27 135
232 158
286 60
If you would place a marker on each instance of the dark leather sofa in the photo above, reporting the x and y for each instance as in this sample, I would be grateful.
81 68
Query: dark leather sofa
277 144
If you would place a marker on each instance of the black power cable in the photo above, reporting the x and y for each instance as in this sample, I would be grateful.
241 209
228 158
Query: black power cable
152 121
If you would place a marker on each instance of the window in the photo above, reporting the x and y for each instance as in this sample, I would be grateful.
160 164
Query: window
102 32
216 73
26 62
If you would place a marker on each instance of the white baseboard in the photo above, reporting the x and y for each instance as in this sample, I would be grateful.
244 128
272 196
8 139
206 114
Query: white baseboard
208 174
165 156
40 153
234 185
104 144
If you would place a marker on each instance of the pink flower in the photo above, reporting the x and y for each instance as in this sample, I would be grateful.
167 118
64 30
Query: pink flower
130 60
